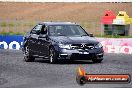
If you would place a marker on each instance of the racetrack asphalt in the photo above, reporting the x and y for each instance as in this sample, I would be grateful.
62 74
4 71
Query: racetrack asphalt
15 73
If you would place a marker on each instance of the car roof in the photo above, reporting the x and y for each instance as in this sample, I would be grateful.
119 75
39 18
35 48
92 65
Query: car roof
58 23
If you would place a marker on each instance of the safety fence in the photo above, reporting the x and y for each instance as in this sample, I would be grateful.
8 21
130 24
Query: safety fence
110 45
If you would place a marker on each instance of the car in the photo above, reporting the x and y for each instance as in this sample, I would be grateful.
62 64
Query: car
61 41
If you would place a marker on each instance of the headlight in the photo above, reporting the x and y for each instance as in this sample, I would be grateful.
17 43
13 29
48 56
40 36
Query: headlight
65 46
99 45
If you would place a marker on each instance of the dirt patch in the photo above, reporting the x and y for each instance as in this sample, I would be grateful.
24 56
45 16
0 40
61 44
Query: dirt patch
75 12
60 11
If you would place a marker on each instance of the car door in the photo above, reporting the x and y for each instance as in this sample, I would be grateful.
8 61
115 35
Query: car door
44 41
34 38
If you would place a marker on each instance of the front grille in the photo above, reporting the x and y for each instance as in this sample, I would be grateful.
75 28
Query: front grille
83 46
82 56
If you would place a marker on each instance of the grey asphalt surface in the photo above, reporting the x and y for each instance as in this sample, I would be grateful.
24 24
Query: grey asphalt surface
15 73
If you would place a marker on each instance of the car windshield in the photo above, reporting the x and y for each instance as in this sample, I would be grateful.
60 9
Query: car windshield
66 30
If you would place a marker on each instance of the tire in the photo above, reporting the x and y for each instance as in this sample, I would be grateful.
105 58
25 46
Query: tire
52 56
96 60
27 56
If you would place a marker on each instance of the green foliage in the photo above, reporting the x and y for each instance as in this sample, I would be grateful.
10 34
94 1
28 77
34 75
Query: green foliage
7 24
11 24
3 24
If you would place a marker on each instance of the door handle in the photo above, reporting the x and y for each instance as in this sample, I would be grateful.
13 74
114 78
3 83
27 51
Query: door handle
39 42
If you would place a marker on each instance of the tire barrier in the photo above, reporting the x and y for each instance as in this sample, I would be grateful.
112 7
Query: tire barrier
11 42
110 45
116 25
116 45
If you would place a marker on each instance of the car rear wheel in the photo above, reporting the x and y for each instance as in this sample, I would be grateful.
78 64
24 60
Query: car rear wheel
97 60
27 56
52 56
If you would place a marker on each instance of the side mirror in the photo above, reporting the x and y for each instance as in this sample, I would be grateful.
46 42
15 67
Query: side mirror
91 35
42 36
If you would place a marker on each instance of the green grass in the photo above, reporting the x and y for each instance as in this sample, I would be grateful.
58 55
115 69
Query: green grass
111 36
11 33
7 24
103 36
86 25
21 27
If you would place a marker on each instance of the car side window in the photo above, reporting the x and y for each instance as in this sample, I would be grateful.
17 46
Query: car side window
44 30
36 29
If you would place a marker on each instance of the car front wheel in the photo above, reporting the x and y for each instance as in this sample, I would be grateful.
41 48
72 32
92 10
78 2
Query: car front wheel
27 56
52 56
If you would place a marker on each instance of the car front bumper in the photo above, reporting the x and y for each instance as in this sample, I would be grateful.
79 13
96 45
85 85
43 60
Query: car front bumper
81 54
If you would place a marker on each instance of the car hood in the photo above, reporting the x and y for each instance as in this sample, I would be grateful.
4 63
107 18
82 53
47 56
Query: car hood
73 40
